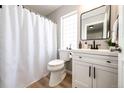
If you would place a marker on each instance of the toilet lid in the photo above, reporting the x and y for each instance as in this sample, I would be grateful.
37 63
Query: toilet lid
56 62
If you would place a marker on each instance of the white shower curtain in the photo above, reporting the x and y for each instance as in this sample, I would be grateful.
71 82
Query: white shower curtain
27 44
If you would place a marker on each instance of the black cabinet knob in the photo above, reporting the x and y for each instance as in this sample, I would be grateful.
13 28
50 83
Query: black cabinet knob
108 61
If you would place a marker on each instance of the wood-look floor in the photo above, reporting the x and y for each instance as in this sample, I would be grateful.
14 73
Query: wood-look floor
44 83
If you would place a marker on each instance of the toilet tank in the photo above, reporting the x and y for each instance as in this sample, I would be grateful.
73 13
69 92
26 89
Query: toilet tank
64 55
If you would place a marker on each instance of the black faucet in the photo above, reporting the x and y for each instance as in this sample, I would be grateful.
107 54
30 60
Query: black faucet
94 46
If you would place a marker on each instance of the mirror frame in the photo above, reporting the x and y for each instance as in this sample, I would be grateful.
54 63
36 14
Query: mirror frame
108 23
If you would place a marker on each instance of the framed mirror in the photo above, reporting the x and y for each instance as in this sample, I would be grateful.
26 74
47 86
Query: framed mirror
95 24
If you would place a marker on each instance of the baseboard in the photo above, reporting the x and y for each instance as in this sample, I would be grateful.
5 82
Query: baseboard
69 72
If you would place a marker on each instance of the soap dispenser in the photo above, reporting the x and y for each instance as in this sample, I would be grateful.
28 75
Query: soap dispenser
80 45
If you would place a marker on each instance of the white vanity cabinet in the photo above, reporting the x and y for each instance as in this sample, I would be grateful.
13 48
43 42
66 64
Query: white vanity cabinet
81 74
105 77
94 70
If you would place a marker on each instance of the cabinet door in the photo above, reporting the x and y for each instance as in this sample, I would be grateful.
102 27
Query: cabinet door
82 75
104 77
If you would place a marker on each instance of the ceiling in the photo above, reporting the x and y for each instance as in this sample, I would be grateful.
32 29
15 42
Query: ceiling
42 9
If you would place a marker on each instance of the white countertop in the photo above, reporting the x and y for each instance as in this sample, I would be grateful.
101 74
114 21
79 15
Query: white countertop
95 52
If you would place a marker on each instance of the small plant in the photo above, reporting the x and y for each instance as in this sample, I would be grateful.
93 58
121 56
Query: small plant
109 42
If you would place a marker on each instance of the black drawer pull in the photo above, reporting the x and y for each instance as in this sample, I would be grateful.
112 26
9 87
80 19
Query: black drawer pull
80 57
94 73
108 61
89 71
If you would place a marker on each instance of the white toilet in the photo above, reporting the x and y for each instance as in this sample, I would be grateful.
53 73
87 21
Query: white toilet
57 69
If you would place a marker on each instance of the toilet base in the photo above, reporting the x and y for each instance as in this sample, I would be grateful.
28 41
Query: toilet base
57 77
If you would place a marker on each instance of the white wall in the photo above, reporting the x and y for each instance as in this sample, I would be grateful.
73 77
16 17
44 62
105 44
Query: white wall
56 17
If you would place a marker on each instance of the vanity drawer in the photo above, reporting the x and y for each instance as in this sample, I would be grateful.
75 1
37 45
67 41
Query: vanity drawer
110 61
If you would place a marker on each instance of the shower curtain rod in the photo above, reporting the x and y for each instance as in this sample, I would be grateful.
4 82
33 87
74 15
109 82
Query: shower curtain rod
23 7
17 5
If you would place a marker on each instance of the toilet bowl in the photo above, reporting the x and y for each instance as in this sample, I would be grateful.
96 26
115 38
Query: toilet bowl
57 68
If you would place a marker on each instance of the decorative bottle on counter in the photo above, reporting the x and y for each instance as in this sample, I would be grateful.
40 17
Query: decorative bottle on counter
80 45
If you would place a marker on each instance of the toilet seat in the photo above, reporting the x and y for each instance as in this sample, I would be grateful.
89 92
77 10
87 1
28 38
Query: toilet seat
55 65
56 62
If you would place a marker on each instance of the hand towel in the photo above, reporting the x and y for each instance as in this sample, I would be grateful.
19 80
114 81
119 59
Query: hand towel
115 32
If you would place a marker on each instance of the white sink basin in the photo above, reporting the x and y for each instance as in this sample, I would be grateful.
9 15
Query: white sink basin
97 52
